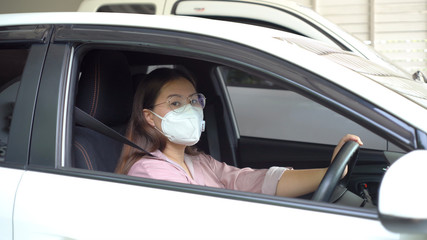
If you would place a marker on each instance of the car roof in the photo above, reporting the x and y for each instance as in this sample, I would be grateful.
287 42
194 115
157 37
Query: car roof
306 53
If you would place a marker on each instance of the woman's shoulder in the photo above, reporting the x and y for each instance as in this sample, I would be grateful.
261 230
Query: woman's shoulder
157 168
205 160
151 167
147 162
200 156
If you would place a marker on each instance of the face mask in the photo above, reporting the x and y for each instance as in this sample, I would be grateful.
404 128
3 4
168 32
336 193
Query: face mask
183 127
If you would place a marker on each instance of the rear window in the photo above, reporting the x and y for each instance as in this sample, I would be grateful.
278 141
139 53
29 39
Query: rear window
12 62
129 8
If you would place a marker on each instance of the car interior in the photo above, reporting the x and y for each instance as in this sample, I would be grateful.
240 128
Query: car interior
108 79
105 91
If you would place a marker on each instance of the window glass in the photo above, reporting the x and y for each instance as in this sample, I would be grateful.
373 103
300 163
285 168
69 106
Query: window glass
256 14
264 109
129 8
12 62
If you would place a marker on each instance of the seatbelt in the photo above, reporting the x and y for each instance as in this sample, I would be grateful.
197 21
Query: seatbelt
212 133
86 120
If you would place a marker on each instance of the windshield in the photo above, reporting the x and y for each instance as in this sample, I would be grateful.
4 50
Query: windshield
416 91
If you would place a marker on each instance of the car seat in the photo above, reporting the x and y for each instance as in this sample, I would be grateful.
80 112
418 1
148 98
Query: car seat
105 91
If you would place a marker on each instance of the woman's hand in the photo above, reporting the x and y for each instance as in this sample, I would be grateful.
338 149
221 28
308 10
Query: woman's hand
302 181
346 138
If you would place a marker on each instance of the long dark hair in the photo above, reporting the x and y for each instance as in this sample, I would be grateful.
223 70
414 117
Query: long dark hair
139 131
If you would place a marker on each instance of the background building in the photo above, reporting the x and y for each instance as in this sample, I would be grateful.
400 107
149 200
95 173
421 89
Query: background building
395 28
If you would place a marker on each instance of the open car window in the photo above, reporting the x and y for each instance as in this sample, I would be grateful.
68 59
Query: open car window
251 121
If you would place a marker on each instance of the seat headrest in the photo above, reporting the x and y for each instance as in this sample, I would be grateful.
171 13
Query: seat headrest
105 87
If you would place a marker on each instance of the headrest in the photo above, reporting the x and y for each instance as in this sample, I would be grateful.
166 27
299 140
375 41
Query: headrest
105 87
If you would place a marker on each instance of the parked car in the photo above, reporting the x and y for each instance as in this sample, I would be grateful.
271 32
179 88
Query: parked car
67 82
277 14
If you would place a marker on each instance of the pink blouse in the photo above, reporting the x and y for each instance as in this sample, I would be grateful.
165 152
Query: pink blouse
206 171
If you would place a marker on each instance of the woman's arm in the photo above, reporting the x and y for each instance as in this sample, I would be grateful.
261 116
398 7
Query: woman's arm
299 182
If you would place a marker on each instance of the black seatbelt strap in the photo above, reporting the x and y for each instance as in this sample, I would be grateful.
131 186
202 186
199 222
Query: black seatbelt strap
86 120
212 133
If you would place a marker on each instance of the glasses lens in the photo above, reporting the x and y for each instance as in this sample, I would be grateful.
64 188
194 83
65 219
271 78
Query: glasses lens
198 100
176 103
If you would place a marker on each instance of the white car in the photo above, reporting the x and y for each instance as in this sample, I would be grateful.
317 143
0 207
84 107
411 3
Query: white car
277 14
64 73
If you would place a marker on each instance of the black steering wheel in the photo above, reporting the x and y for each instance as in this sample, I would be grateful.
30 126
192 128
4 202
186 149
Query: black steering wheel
332 176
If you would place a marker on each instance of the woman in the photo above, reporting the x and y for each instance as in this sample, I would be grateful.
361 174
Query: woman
167 119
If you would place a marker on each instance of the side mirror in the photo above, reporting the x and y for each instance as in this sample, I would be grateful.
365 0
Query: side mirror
419 77
403 195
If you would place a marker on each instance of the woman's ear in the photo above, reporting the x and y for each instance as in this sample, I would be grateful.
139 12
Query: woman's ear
149 117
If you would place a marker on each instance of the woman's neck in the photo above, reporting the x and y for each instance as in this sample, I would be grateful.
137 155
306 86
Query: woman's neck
175 152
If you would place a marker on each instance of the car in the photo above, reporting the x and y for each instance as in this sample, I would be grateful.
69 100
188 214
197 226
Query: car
277 14
67 84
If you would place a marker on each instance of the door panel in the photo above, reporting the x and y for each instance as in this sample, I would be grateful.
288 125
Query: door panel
51 206
9 181
264 153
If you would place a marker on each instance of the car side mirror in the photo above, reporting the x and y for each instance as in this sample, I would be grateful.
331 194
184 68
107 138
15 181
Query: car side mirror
403 195
419 77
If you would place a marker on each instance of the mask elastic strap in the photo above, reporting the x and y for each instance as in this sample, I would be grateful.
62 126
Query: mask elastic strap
160 131
157 115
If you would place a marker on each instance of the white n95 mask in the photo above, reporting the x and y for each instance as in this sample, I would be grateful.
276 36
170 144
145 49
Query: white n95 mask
183 127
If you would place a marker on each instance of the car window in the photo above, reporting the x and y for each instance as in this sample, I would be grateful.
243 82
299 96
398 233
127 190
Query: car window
129 8
12 62
293 129
278 113
255 14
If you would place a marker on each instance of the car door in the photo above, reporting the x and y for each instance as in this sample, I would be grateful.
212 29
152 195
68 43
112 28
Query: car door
22 51
56 200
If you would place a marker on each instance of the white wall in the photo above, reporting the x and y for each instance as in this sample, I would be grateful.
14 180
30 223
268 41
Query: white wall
395 28
13 6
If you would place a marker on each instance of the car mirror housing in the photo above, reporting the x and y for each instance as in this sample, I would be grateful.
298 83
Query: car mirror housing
403 195
419 77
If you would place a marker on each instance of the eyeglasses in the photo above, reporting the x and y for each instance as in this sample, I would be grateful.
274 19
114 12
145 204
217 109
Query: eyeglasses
178 103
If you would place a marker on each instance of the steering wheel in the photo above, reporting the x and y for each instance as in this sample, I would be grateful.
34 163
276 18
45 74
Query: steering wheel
332 176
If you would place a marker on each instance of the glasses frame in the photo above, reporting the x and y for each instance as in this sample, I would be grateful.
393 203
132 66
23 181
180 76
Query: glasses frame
185 105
